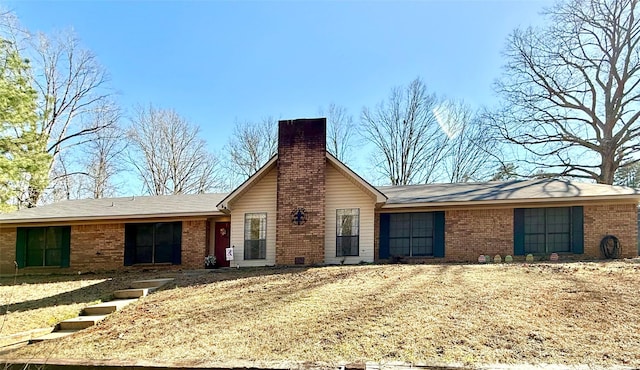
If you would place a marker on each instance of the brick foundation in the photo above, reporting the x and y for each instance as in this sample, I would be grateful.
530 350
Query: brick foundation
301 184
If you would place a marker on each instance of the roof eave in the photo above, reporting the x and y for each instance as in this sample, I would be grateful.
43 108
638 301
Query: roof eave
635 197
106 217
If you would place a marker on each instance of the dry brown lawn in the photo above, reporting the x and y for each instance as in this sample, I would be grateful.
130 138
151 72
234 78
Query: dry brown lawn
33 302
569 313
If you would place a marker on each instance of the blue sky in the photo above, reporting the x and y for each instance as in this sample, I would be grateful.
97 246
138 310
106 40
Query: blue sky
218 62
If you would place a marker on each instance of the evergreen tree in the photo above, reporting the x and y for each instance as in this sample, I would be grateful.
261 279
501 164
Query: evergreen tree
24 161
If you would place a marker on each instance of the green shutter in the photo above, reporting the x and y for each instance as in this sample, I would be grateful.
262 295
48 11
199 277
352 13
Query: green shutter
130 232
65 248
438 234
577 230
176 257
518 232
384 236
21 247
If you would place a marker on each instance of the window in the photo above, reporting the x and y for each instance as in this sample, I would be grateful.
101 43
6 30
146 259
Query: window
548 230
255 236
347 232
412 234
159 242
43 246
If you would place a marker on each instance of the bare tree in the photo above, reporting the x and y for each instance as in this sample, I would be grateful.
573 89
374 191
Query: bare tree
504 172
68 186
89 170
169 155
628 176
250 147
470 150
571 91
72 87
104 153
341 132
406 134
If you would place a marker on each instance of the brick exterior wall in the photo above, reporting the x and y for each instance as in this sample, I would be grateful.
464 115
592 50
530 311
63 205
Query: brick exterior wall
97 247
100 247
7 250
194 244
615 219
301 183
472 232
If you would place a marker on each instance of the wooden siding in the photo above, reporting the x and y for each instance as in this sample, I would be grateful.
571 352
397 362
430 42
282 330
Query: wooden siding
261 198
342 193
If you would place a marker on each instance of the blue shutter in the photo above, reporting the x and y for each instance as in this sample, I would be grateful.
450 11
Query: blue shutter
438 234
518 232
21 247
65 256
384 236
577 230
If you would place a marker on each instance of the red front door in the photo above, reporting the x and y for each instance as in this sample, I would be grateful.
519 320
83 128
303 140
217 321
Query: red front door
221 231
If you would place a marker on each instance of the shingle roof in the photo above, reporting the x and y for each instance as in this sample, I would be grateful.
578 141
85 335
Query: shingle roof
501 192
117 208
431 195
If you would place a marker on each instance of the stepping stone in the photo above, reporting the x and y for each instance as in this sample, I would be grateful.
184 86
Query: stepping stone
54 335
132 293
152 283
106 308
80 322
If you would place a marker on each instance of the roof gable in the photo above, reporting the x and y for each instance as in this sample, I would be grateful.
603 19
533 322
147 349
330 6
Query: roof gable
226 203
378 195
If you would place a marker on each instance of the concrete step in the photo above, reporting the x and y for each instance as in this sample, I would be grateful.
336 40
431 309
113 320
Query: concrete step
106 308
132 293
152 283
80 322
25 336
53 335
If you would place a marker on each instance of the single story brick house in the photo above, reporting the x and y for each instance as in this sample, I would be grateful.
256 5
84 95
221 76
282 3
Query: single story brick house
306 207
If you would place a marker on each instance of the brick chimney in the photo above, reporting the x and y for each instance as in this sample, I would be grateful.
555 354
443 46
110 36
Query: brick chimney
301 191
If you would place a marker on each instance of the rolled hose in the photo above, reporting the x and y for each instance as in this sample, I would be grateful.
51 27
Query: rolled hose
610 246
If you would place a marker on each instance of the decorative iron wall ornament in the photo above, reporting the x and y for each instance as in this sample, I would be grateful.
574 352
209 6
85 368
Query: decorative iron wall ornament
298 216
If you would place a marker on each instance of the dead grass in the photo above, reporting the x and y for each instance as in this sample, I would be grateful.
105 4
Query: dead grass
438 314
32 302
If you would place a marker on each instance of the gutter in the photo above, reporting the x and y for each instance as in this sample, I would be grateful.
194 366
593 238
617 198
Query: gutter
470 203
109 217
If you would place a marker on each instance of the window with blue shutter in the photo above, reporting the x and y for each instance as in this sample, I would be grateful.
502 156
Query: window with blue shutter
419 234
548 230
